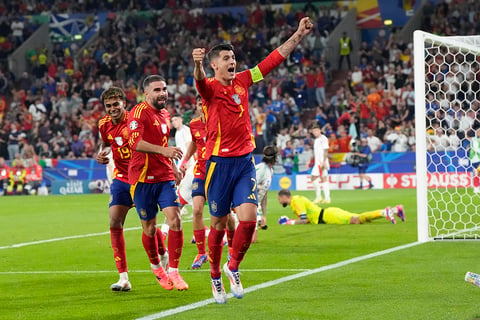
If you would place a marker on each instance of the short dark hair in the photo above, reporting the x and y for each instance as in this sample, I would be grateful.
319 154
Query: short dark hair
284 192
316 125
270 154
113 92
151 78
215 50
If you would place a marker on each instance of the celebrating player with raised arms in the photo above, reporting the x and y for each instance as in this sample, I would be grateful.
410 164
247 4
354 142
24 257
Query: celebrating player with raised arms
230 179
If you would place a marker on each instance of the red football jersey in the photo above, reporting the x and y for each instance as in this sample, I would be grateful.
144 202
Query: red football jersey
148 124
116 136
199 135
229 131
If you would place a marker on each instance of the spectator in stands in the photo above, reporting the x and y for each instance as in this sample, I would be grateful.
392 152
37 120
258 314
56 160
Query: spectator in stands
398 140
17 27
343 140
453 140
37 109
13 144
76 146
282 138
4 175
320 96
288 157
373 141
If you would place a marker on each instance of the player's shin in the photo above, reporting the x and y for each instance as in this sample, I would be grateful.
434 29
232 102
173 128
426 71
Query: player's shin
118 246
241 242
200 240
215 247
175 247
151 248
160 242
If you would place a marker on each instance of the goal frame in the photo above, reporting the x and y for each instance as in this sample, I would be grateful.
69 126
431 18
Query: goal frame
419 39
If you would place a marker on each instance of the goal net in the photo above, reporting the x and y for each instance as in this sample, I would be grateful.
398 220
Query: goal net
447 101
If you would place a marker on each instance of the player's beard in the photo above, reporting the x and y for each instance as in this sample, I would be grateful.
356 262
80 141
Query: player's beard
159 104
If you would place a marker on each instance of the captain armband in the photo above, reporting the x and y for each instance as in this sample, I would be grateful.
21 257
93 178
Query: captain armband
256 74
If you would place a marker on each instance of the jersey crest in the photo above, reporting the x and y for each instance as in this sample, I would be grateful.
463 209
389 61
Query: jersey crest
119 141
236 98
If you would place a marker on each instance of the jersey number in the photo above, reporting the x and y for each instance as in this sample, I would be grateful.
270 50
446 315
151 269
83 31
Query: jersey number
125 153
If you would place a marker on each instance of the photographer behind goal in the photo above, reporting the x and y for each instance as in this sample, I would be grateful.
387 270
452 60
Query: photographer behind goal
360 157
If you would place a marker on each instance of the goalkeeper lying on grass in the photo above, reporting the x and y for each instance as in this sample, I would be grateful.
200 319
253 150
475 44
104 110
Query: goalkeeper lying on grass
307 212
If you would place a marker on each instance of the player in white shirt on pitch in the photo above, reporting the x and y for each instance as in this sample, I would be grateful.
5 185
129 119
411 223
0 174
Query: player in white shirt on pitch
319 176
264 172
183 139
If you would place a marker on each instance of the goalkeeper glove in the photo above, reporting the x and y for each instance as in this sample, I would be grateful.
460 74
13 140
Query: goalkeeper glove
285 220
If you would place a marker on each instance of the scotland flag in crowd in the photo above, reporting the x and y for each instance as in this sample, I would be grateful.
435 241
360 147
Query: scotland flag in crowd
71 27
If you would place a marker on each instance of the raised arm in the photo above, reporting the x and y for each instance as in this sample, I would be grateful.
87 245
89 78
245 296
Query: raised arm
304 28
198 55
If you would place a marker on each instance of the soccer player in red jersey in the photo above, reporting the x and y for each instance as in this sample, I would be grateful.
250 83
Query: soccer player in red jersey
196 185
153 176
114 136
230 179
113 133
197 147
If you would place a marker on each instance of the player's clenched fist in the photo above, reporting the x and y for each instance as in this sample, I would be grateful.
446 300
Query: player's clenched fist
198 54
305 25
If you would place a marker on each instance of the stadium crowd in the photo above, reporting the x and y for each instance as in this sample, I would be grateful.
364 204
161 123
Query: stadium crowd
54 108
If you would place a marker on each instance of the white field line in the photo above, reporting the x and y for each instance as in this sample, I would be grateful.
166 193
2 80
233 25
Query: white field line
24 244
271 283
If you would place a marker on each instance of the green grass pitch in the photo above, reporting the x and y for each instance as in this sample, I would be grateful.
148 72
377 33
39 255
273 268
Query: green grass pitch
293 272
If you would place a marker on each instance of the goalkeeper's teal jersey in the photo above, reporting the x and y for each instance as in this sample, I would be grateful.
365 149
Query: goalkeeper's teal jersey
475 150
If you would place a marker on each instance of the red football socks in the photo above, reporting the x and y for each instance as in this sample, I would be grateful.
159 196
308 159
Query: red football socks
215 247
241 242
151 248
175 247
118 246
200 240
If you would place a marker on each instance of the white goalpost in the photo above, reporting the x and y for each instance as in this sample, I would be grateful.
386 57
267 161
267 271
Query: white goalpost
447 100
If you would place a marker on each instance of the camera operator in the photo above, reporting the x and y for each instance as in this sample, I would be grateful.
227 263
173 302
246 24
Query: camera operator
362 156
